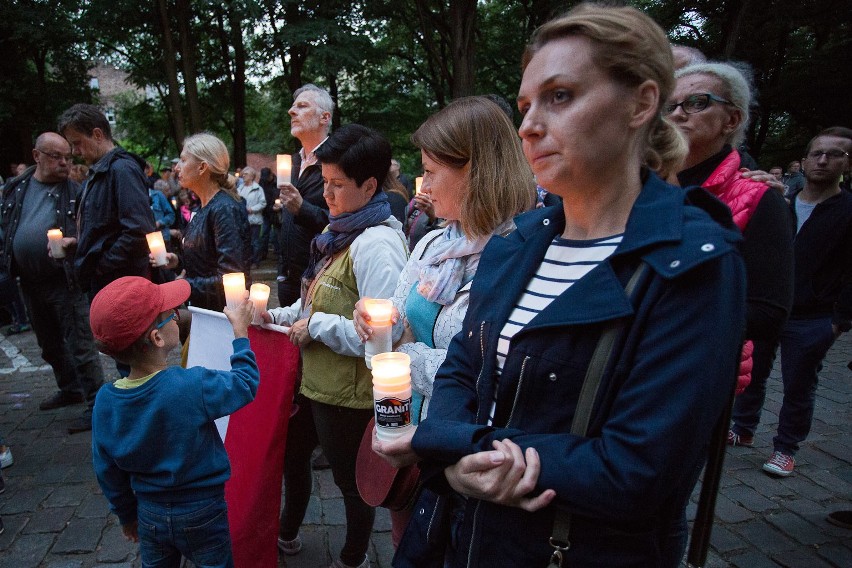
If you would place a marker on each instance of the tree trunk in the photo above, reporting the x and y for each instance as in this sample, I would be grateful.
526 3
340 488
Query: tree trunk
463 20
733 26
238 87
333 91
169 56
774 84
187 58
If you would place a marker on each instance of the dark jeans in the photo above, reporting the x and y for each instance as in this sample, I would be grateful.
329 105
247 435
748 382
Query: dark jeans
289 291
804 343
254 232
10 297
60 319
338 430
197 530
269 231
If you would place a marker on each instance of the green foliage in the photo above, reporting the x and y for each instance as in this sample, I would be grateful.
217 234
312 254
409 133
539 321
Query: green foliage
43 70
388 63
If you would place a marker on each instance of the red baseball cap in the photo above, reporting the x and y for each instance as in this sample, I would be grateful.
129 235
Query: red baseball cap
127 307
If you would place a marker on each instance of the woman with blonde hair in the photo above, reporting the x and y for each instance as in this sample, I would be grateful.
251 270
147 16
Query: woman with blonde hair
573 411
478 180
216 239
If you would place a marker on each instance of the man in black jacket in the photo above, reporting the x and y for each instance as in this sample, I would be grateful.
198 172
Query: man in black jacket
114 213
303 208
822 302
43 198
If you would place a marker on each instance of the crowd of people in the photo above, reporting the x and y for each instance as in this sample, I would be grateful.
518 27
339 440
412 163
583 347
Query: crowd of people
581 300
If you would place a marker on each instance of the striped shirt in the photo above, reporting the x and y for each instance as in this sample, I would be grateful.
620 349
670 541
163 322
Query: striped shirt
564 263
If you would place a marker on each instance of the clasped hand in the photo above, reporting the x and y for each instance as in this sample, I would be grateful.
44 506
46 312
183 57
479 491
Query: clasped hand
505 476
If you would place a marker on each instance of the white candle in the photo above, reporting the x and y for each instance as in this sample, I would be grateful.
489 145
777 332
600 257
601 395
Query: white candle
174 202
381 341
418 183
283 167
157 247
259 295
235 288
54 239
278 202
392 394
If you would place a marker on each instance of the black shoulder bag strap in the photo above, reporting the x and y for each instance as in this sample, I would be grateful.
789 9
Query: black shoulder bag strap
600 359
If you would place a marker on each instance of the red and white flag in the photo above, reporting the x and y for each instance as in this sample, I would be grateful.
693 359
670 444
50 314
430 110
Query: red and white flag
254 436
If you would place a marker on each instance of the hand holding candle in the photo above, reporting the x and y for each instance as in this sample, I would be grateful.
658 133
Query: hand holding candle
381 341
157 247
235 288
392 394
54 240
259 295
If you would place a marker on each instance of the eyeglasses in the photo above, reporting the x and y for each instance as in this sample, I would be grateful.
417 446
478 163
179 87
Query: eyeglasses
174 316
57 157
830 154
695 103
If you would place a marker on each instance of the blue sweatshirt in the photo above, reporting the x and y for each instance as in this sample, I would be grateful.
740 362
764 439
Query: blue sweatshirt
159 440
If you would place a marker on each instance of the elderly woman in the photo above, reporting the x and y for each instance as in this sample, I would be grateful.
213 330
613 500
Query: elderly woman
710 105
509 463
360 254
477 202
216 239
255 204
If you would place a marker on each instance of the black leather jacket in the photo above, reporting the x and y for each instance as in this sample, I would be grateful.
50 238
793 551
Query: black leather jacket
114 215
65 195
216 242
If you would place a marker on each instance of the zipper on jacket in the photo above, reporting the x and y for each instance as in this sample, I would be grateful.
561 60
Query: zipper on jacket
518 391
482 365
432 520
473 532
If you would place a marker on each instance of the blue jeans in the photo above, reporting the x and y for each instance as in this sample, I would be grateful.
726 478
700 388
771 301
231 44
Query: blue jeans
804 343
197 530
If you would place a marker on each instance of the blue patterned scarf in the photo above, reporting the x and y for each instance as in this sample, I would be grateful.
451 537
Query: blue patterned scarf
342 230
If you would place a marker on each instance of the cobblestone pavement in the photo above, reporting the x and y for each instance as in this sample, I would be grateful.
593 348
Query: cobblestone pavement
55 515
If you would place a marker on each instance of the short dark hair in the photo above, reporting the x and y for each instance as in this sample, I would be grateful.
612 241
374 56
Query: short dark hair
836 131
359 151
84 118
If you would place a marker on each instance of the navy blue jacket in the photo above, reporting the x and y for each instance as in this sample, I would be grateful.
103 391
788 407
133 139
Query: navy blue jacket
630 479
113 218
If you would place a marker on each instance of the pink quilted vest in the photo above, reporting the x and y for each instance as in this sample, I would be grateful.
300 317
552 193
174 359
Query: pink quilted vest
741 195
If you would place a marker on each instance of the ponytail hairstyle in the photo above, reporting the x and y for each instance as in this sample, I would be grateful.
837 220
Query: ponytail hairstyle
632 49
207 148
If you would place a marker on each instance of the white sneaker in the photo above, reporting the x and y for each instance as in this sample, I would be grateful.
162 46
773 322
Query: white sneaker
6 458
339 564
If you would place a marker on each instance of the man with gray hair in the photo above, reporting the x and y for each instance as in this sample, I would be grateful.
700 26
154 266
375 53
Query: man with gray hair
304 212
41 199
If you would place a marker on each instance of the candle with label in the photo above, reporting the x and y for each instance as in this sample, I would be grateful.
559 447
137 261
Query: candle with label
259 295
283 168
157 247
380 321
235 288
54 239
392 394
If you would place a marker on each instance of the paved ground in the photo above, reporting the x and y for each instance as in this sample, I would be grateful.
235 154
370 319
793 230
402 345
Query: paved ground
56 517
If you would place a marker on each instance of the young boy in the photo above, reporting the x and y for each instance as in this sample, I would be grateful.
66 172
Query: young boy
157 454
